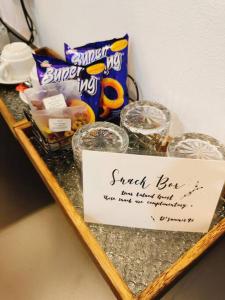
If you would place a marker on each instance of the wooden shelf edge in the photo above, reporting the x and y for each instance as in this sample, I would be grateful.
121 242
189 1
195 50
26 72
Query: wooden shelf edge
117 284
22 123
167 277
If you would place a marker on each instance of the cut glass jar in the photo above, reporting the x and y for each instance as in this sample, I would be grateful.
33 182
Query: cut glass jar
196 145
99 136
146 123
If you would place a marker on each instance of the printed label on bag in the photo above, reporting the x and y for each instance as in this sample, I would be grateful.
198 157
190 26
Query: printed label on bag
55 102
58 125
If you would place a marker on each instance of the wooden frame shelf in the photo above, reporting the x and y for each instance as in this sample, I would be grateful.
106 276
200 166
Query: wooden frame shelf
117 284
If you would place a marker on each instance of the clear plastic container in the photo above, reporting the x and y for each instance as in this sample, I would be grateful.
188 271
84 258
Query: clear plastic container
35 96
100 136
58 122
196 145
77 117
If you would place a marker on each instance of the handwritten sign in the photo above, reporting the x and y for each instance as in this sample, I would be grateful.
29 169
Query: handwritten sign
151 192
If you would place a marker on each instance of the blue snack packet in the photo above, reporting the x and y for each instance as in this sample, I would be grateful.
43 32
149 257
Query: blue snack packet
114 94
88 78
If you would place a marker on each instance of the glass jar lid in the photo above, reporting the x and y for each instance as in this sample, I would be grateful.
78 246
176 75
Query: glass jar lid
196 145
101 136
145 117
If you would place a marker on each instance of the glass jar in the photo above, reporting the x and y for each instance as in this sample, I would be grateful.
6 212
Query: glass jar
99 136
196 145
145 122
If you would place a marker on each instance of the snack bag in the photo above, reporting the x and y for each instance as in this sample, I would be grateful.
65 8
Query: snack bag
114 89
88 78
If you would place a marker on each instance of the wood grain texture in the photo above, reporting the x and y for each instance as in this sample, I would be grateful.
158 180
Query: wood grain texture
22 122
183 262
116 282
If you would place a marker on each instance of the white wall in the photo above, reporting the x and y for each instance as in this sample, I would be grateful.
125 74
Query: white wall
12 14
177 49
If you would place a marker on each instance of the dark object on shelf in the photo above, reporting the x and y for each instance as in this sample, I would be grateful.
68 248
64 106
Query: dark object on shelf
129 77
48 52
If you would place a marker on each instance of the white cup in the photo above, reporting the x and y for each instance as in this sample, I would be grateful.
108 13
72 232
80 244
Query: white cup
16 62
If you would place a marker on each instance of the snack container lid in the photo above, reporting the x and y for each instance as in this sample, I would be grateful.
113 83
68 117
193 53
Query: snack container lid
196 145
145 117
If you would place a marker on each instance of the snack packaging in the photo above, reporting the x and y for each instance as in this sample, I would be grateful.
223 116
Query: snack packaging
88 78
58 110
114 94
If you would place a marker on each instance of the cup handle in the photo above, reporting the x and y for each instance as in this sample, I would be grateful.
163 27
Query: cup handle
4 72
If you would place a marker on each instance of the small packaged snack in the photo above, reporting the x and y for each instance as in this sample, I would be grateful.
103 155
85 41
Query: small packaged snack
114 88
58 109
87 78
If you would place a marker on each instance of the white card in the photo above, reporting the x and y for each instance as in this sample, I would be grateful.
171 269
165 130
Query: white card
55 102
58 125
151 192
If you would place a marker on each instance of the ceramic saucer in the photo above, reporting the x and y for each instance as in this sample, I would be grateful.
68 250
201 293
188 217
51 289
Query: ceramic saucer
13 81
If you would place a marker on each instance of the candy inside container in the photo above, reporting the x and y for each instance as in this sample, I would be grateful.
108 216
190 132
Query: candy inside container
100 136
196 145
58 111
